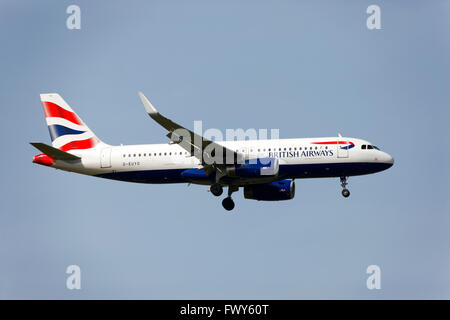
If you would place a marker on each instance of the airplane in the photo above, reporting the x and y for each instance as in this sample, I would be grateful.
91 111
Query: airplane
265 169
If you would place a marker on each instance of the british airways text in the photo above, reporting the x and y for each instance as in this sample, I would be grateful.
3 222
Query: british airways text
301 154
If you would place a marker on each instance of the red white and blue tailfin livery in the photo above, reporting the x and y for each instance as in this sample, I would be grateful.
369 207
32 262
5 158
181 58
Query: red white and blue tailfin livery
265 169
67 130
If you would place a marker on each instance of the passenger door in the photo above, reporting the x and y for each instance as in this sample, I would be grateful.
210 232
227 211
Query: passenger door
342 147
105 158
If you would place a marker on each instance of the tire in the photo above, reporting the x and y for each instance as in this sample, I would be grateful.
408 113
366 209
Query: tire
345 193
216 189
228 204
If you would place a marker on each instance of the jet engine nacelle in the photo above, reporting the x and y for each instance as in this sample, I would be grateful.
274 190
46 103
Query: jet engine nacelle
272 191
258 167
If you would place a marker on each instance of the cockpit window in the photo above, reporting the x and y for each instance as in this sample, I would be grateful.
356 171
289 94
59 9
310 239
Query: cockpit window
369 146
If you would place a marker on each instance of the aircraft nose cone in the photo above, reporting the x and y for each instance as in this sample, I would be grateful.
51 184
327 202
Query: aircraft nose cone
389 160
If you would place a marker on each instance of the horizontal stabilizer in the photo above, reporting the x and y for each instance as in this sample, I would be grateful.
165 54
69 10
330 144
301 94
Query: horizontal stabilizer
53 152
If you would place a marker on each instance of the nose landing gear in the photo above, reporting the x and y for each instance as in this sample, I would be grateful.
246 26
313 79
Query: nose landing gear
345 191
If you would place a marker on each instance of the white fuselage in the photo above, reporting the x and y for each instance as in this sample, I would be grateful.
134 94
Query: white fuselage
167 163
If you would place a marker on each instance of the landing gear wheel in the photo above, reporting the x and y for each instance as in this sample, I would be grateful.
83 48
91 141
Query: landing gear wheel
345 193
216 189
228 203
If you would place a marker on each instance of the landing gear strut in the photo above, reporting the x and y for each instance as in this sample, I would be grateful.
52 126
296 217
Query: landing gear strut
345 191
228 203
216 189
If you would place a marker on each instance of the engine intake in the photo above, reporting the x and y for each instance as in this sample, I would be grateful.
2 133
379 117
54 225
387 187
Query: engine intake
272 191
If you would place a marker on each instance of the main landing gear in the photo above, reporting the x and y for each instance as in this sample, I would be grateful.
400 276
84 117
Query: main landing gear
345 191
228 203
217 190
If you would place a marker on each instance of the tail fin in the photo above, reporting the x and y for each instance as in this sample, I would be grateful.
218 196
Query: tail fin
67 130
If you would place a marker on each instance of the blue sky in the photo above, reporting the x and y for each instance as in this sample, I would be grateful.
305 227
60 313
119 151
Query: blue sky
309 68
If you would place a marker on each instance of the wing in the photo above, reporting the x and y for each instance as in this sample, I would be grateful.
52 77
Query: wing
212 155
